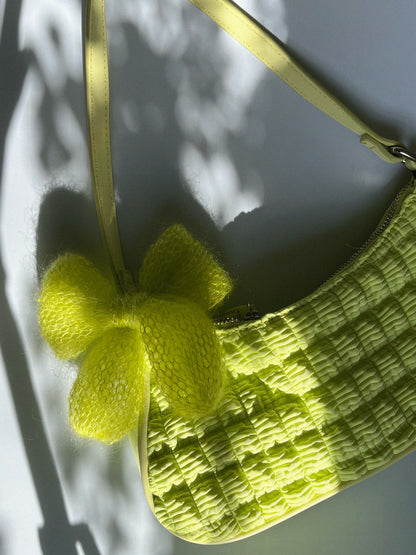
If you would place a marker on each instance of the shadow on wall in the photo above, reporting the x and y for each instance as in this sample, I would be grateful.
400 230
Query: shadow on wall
147 175
57 534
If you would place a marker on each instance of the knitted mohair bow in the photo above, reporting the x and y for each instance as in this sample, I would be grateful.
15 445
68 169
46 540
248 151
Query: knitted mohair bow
162 329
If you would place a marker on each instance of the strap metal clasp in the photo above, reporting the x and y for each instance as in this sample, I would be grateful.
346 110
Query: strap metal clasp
402 152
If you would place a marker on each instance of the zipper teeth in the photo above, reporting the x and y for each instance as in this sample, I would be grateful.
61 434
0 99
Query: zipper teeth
376 233
235 320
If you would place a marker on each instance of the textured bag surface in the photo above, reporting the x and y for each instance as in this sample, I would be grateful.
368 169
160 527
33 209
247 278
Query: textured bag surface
319 396
308 400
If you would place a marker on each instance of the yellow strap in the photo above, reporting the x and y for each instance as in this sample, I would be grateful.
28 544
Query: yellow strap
267 49
98 106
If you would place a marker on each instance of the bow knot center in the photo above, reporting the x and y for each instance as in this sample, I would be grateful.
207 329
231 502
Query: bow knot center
125 311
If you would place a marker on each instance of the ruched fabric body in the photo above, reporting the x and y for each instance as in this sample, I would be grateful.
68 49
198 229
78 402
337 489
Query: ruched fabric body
318 396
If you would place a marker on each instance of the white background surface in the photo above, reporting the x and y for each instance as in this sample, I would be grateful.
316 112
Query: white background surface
202 134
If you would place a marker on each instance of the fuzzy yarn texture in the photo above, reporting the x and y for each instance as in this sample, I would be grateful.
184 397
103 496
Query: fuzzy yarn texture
161 333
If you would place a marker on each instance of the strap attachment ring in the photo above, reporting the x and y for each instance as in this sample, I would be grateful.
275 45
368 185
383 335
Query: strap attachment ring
402 152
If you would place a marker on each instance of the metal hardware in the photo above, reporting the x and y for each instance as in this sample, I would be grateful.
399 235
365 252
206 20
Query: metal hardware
237 315
402 152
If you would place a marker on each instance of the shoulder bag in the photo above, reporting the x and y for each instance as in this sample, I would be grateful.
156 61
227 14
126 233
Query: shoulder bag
239 423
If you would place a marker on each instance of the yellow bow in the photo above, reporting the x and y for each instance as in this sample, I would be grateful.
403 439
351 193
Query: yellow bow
162 328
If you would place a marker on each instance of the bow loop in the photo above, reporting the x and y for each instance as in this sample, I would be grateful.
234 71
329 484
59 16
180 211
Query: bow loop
184 354
74 305
108 393
179 265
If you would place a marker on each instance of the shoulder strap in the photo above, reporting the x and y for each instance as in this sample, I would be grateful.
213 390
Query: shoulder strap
257 40
268 49
98 108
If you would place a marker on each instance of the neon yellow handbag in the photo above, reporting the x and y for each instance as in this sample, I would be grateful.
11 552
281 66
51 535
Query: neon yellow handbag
238 422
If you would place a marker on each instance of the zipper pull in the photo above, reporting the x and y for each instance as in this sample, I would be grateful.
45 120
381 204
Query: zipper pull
236 315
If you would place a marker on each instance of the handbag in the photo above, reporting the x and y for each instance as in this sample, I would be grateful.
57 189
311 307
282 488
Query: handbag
238 421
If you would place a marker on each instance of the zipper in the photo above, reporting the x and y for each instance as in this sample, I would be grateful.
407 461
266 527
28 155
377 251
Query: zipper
385 221
245 313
